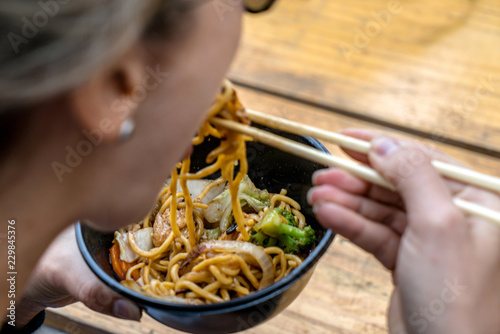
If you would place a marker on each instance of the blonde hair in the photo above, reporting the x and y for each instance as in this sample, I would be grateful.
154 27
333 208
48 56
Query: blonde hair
51 46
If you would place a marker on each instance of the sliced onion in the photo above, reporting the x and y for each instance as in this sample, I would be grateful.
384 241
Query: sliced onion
263 259
213 214
196 187
214 192
142 239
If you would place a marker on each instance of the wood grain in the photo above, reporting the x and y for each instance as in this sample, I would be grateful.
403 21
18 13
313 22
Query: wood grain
431 67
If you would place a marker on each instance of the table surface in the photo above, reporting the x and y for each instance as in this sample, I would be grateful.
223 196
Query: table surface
423 70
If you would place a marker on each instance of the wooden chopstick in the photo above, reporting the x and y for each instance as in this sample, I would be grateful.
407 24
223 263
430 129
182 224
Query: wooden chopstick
354 168
457 173
274 122
305 151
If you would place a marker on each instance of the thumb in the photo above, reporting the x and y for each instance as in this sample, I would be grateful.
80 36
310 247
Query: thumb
98 297
408 167
84 286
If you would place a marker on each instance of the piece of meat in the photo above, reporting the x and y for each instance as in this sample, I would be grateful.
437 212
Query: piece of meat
231 236
135 228
188 262
162 228
253 216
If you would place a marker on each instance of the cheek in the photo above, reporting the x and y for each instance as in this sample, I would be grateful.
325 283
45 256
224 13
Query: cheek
174 111
170 114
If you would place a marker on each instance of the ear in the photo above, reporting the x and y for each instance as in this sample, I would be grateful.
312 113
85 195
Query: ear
106 100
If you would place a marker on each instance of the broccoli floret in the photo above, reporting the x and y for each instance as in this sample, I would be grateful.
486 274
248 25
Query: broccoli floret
298 243
291 239
220 210
260 239
288 216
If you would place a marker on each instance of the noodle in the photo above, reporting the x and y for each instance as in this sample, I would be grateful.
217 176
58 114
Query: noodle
183 265
173 205
189 203
286 200
132 269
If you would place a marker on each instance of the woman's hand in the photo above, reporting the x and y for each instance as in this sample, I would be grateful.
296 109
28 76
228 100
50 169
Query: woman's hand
446 266
62 277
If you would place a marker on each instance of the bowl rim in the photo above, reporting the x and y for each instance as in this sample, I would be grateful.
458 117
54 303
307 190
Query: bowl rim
234 304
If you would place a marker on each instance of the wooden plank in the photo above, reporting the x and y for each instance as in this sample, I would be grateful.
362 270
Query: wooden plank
420 72
68 323
349 290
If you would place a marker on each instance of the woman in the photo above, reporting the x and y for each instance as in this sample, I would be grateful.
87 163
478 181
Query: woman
101 99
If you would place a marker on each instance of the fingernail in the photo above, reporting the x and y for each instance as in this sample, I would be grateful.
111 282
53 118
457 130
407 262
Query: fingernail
318 173
309 196
385 146
316 207
126 310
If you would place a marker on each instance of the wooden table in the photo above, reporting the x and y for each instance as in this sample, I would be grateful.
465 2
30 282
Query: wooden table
425 70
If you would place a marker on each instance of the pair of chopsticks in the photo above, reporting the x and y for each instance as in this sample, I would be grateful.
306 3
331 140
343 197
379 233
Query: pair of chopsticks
461 174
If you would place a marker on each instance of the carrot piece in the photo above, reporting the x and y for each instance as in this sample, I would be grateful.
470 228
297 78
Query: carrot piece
123 267
126 266
114 253
136 275
119 266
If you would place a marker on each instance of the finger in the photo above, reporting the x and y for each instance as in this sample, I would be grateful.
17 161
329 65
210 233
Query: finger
98 297
340 179
352 184
368 135
434 154
361 157
84 286
368 208
362 134
386 196
377 239
484 229
424 192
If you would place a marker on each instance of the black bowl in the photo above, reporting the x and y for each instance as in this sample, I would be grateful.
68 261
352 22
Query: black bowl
269 168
